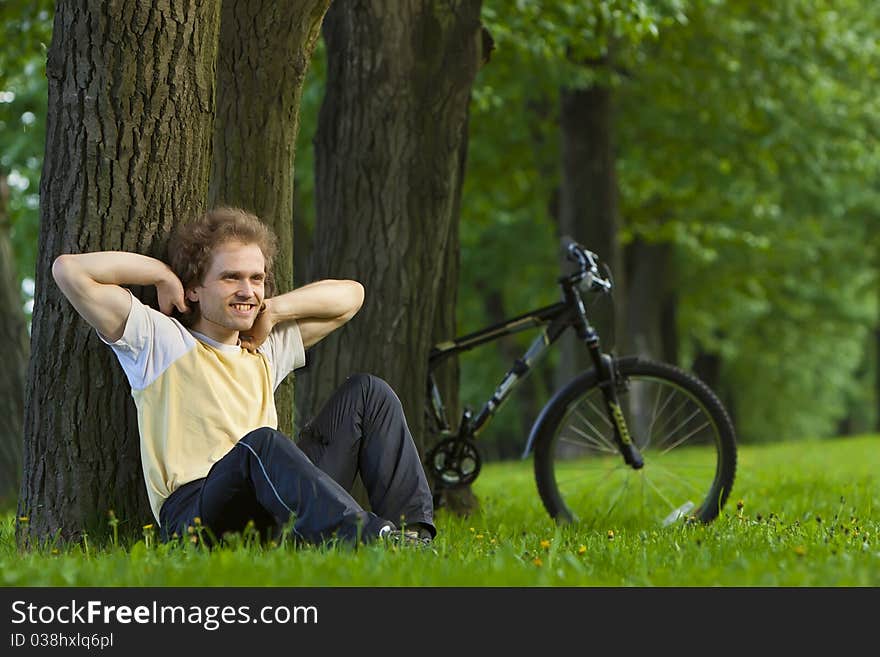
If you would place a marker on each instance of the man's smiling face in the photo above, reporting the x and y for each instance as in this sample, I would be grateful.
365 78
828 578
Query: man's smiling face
232 292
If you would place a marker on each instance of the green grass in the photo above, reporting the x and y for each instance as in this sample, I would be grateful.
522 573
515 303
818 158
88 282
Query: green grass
809 518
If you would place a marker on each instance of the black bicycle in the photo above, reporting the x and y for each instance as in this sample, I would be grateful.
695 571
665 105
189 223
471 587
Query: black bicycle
631 440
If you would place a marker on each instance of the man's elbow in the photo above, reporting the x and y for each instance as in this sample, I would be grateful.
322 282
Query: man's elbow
62 268
357 296
354 302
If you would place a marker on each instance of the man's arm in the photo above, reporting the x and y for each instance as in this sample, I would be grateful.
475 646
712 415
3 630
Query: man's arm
319 308
91 282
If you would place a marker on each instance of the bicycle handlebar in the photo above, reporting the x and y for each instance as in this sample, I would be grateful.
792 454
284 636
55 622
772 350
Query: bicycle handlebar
589 278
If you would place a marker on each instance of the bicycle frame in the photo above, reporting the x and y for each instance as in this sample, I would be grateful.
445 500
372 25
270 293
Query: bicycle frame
555 320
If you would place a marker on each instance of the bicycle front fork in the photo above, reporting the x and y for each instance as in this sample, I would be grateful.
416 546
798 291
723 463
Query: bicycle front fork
604 365
607 383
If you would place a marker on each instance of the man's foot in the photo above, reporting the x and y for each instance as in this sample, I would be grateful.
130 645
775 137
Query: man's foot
409 537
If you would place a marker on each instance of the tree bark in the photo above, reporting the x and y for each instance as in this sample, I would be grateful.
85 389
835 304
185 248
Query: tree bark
588 209
388 164
14 336
707 366
527 397
128 154
650 311
264 53
461 500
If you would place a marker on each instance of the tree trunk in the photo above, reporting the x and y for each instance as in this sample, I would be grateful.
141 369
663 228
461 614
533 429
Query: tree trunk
303 234
707 367
264 52
460 500
128 154
14 335
650 311
527 397
588 210
388 164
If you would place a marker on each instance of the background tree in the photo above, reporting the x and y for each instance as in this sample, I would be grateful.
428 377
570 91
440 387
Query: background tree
543 165
131 107
14 335
25 28
388 163
722 110
264 53
734 152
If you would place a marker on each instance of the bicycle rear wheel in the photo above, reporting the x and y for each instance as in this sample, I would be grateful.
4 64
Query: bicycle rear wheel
678 424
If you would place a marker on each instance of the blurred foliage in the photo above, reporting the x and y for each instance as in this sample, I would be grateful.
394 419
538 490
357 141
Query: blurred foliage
745 135
509 237
746 138
26 28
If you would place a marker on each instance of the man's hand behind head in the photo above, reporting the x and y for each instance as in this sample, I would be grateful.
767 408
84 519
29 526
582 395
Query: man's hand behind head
170 294
252 339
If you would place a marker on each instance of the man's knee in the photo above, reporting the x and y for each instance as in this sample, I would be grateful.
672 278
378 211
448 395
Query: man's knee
373 386
263 439
266 446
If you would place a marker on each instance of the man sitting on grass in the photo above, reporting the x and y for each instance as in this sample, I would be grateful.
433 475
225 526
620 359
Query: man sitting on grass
203 387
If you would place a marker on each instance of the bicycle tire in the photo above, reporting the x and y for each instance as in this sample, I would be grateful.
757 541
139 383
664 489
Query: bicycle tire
695 467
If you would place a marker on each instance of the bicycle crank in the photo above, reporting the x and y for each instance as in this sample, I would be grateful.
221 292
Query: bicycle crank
454 462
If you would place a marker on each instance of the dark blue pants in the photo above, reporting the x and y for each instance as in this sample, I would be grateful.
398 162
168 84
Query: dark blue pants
267 479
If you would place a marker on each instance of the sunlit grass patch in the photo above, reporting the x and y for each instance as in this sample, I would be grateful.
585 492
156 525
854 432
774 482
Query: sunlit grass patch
801 514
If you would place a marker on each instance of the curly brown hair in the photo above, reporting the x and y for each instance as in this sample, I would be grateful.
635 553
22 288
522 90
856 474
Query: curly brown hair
192 246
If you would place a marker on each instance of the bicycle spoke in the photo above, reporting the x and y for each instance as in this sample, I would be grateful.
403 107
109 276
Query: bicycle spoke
608 473
598 412
658 412
678 479
585 441
679 442
599 434
664 438
659 494
616 499
673 415
653 418
654 412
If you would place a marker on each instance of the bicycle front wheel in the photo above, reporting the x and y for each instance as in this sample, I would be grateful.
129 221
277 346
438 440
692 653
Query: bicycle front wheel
678 424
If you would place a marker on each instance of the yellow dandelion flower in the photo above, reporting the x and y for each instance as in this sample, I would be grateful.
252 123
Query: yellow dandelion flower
492 541
545 544
23 518
538 562
610 534
479 537
800 550
148 527
194 539
197 520
740 505
54 550
582 549
473 530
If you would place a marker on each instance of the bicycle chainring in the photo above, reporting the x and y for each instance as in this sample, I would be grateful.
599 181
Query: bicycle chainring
454 462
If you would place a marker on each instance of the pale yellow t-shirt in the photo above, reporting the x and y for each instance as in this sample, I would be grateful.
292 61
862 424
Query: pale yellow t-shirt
196 397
